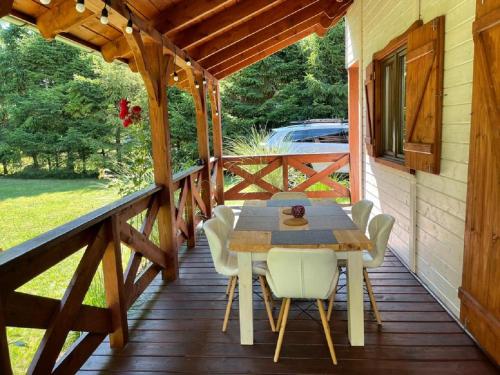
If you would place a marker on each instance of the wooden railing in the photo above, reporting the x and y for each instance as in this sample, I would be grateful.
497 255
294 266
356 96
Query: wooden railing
262 176
101 234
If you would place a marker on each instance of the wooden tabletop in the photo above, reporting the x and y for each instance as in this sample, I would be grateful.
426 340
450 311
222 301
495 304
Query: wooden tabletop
261 226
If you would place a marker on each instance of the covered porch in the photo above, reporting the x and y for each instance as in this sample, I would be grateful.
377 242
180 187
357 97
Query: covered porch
164 306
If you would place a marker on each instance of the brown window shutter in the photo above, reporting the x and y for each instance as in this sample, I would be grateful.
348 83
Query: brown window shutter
424 96
371 103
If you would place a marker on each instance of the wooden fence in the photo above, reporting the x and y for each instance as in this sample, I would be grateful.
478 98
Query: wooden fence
252 170
100 234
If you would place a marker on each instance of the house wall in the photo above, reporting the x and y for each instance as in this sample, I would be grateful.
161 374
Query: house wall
429 209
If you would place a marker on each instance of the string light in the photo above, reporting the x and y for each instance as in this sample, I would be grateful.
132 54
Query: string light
129 29
188 62
45 2
176 77
80 6
214 91
105 14
204 80
196 84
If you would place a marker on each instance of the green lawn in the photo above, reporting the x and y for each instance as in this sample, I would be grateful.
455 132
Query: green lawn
29 208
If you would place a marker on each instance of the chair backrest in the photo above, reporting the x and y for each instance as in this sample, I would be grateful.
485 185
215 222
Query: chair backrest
289 195
379 230
217 233
361 213
226 214
301 273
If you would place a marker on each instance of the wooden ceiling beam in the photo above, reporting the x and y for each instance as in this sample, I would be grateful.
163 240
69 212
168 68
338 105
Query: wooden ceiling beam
287 39
248 28
220 22
266 52
272 31
262 49
186 13
5 7
60 18
118 17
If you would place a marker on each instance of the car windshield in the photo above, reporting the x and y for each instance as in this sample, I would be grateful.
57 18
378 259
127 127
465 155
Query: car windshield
328 135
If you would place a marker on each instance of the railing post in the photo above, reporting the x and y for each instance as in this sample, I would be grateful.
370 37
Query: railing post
155 68
215 105
190 214
114 286
5 366
200 102
284 166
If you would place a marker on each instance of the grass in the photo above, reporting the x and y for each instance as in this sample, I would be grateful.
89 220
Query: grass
29 208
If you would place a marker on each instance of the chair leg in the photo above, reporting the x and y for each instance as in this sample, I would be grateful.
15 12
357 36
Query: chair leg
326 328
280 316
269 311
286 303
372 296
229 302
229 285
332 298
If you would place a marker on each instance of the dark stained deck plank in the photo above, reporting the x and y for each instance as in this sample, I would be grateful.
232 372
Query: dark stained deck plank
176 328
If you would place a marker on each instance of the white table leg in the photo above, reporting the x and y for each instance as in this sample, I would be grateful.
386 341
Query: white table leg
355 313
246 298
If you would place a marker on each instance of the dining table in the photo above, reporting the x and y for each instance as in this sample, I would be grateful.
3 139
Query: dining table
262 225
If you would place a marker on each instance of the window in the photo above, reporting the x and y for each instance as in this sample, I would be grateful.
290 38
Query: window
393 70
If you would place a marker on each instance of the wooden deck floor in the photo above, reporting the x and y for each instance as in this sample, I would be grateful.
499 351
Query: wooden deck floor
176 328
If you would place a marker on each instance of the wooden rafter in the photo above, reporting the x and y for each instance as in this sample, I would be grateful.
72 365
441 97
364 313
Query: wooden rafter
269 32
320 25
262 53
185 13
274 44
60 18
220 22
248 28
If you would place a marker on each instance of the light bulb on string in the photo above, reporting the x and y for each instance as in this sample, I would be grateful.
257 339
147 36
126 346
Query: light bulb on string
45 2
129 29
176 77
204 81
188 61
196 84
104 16
80 6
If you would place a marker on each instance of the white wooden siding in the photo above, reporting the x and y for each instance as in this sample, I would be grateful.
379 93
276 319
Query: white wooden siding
440 200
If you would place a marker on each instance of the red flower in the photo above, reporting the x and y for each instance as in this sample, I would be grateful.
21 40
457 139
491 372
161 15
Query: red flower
127 122
136 109
124 110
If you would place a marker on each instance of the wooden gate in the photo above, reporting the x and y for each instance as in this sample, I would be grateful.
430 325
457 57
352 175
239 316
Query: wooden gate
480 291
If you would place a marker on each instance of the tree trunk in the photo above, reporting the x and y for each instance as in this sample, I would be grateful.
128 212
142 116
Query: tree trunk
84 161
56 158
5 171
49 162
35 161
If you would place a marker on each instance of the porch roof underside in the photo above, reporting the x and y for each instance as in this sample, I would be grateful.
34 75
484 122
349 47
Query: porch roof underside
220 37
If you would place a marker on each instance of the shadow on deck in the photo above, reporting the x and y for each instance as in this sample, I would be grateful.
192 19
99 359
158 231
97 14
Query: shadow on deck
176 328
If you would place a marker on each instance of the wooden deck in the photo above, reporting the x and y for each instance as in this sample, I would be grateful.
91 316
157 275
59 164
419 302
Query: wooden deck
176 328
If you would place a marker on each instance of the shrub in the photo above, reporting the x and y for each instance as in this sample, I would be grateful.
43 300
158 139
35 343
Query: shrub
30 172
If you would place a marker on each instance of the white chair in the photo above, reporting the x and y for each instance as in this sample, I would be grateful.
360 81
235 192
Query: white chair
361 213
226 264
289 195
226 214
302 273
379 231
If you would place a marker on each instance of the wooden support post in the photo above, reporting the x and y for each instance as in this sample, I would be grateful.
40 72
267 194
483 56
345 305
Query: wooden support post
190 214
155 68
5 367
214 93
5 8
114 287
200 102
